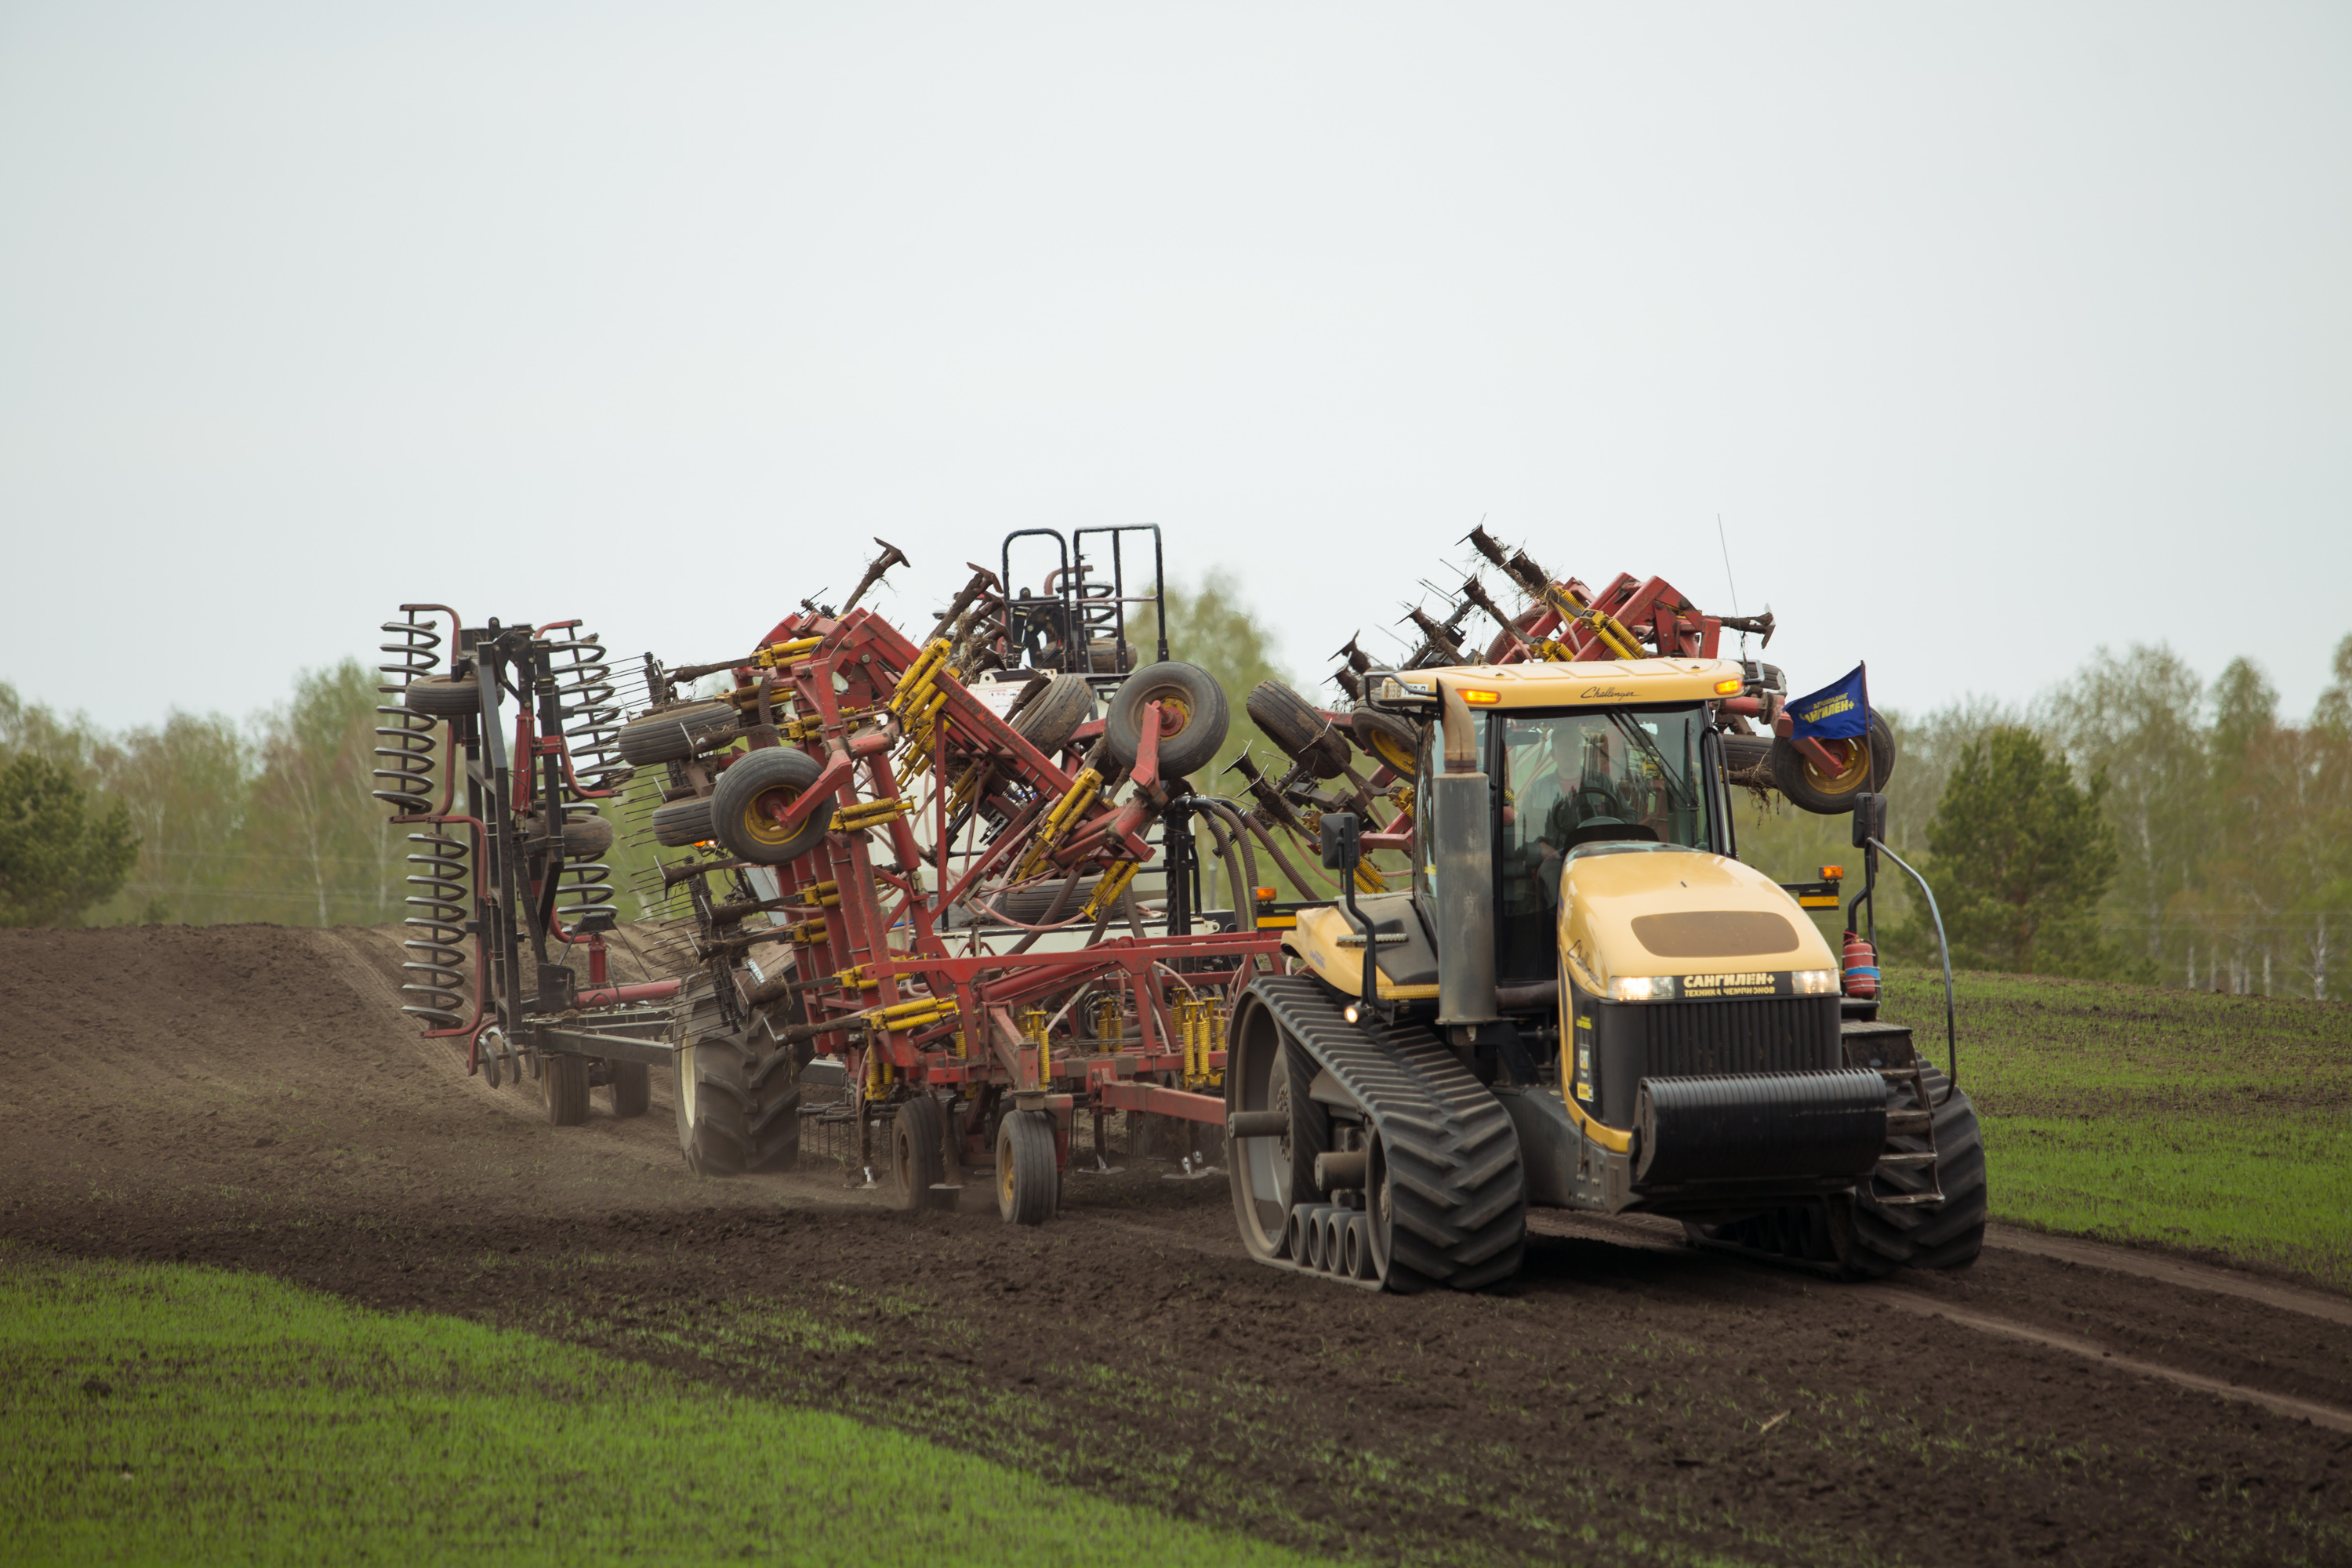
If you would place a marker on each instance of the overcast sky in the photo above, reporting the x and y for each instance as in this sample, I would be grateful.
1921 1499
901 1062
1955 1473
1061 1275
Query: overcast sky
1992 334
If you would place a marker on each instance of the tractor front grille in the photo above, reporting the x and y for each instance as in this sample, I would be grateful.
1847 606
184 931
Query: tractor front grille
1772 1034
1696 1039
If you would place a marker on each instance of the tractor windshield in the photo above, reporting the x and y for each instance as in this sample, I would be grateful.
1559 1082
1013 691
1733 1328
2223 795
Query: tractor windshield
1585 776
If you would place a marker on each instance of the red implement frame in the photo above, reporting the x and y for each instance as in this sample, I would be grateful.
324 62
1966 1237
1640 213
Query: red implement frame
909 1004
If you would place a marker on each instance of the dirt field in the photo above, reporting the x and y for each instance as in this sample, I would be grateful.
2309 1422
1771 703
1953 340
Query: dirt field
250 1097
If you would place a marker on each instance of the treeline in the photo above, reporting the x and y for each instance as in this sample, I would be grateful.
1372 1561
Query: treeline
2210 844
271 820
267 820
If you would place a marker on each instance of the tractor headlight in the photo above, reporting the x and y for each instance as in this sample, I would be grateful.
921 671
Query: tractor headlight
1815 982
1645 988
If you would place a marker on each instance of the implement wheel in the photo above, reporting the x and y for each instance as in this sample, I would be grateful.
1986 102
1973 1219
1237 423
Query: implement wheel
1052 716
444 696
675 734
1296 730
1802 780
1387 740
681 823
1192 717
1028 1177
563 1085
914 1158
633 1089
713 1131
750 791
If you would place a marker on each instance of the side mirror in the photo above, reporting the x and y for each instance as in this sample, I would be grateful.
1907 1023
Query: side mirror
1869 818
1341 841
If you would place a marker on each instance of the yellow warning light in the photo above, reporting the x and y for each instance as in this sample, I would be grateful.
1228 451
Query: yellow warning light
1727 687
1481 698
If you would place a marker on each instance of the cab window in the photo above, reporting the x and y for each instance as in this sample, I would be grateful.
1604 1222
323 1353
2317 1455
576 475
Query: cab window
1579 777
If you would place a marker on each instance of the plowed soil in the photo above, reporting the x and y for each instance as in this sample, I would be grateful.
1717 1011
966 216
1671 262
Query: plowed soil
250 1097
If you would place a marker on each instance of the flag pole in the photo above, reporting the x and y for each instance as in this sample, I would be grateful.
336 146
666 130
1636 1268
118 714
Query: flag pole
1869 752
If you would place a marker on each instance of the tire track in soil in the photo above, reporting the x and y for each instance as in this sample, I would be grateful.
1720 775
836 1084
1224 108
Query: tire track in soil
249 1097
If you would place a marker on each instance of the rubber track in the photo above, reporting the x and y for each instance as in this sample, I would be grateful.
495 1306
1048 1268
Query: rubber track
1886 1237
1929 1236
1459 1198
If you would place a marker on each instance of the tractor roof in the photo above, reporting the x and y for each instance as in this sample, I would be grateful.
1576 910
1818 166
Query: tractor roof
1599 683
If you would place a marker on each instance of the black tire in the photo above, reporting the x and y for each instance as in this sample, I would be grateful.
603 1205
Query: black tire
1387 740
916 1164
755 783
1947 1235
632 1088
1052 715
712 1098
1193 723
586 835
444 696
673 734
683 822
1028 1177
1296 730
737 1111
564 1086
1747 753
1807 787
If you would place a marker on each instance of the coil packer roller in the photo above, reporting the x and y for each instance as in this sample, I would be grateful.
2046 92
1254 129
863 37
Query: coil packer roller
514 861
857 794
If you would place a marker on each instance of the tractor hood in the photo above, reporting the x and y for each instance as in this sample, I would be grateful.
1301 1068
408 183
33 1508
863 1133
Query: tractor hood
1637 911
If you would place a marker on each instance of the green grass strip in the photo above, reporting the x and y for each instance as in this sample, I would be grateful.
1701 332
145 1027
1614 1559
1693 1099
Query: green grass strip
2136 1113
162 1414
2279 1194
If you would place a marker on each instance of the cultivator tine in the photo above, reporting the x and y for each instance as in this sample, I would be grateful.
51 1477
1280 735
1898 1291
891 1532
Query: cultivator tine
1473 590
1440 643
891 556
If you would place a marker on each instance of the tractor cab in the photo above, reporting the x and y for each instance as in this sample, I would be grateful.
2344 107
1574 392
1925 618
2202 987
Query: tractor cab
1573 868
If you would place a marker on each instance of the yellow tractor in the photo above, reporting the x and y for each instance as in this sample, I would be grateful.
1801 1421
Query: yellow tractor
1584 1001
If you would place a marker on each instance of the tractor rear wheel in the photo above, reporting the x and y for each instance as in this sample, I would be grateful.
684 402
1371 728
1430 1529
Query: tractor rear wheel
563 1085
1028 1177
916 1164
1806 784
633 1089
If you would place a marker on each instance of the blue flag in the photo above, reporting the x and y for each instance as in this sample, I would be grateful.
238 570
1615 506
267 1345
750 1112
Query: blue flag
1838 711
